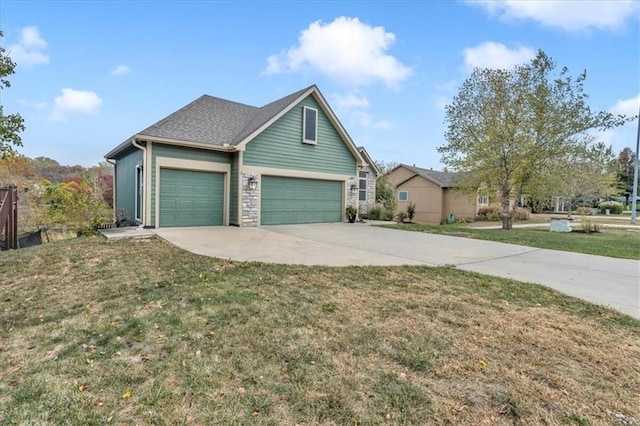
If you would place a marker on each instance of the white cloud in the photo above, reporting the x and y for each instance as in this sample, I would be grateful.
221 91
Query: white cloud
29 50
354 105
75 101
349 100
346 50
365 119
120 69
566 15
628 107
495 55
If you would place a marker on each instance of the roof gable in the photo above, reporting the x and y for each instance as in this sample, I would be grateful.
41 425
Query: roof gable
368 160
265 114
222 124
442 179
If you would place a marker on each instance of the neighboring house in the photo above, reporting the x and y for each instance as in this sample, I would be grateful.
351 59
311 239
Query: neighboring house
218 162
367 182
433 193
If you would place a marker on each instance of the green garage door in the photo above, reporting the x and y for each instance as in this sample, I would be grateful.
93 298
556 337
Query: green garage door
293 200
190 198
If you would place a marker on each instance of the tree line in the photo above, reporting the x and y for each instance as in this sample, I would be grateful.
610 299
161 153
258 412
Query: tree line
52 195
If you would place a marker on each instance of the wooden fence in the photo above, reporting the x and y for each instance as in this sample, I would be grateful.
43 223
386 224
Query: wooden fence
9 216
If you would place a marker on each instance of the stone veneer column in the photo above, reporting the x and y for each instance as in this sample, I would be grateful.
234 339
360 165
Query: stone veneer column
351 200
249 203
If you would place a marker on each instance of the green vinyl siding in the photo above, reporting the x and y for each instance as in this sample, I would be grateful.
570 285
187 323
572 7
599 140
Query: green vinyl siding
191 198
126 181
182 153
291 200
233 192
280 145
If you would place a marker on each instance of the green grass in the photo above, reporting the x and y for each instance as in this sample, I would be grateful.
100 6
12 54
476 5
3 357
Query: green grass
98 332
612 242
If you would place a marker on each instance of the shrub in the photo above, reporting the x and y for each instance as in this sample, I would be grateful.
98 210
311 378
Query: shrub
614 207
458 220
521 213
411 211
583 210
588 226
401 217
386 214
378 212
491 213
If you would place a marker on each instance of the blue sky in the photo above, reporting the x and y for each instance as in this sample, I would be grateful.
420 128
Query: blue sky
91 74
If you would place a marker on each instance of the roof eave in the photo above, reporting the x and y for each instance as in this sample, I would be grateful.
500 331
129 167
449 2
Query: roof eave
111 154
370 162
190 144
169 141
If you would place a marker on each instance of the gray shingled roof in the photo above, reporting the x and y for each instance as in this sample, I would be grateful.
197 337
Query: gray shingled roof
217 121
444 179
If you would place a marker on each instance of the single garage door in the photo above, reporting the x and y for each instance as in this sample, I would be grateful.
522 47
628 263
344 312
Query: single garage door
191 198
292 200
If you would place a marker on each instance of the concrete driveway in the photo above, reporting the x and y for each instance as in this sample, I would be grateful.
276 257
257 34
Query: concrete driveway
602 280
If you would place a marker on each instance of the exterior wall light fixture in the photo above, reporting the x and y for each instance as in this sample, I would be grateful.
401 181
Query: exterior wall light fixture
252 183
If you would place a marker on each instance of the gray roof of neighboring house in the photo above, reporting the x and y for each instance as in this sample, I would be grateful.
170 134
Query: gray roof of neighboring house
444 179
217 121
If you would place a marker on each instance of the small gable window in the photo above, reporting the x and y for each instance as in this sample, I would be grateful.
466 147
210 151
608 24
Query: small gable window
310 125
403 195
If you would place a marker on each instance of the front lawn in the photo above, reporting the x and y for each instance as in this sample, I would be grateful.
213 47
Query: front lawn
125 332
612 242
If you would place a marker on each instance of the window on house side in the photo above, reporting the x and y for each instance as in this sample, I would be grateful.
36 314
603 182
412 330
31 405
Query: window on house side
310 125
483 199
403 196
363 186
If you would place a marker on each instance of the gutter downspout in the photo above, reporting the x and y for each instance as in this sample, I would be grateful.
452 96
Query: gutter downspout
144 158
113 188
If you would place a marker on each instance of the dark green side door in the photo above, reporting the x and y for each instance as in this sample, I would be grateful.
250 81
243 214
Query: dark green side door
287 200
191 198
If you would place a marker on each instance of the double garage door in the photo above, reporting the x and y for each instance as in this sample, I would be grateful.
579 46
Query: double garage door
292 200
191 198
195 198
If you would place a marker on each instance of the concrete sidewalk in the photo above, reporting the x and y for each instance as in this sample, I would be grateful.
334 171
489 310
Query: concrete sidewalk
602 280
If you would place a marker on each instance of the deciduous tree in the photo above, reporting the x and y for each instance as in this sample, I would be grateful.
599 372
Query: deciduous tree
506 129
384 193
625 162
10 125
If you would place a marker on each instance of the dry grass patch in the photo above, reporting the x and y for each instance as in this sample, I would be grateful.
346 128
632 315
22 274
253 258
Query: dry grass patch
144 333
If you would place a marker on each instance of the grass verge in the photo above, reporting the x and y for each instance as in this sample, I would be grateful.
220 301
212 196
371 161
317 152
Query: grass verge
611 242
99 332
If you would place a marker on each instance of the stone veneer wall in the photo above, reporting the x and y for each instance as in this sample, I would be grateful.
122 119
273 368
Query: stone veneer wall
351 200
371 191
249 203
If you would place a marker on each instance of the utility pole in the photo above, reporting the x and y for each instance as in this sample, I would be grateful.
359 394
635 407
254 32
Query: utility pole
634 195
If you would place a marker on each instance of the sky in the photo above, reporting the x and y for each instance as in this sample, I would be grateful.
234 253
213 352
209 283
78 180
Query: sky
91 74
